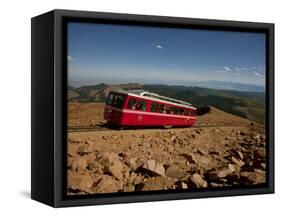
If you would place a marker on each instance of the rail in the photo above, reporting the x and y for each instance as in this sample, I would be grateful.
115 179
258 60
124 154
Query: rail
106 128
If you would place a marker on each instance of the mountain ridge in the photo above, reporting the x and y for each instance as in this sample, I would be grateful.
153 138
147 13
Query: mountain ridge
250 105
212 84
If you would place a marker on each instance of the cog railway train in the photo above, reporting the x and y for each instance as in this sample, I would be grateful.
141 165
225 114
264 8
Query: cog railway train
139 108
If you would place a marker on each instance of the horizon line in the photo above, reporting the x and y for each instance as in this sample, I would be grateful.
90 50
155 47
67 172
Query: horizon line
168 82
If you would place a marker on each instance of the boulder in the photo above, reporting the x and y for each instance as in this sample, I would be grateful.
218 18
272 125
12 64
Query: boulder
239 162
214 151
221 173
204 161
75 140
112 157
132 177
174 172
115 170
132 163
172 138
82 182
138 180
85 149
198 181
263 166
154 168
225 172
255 177
182 185
257 137
89 142
108 184
190 157
157 183
95 167
79 165
216 185
129 188
112 164
202 152
237 154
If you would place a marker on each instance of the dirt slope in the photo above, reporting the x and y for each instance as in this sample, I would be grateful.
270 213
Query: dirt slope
218 117
85 114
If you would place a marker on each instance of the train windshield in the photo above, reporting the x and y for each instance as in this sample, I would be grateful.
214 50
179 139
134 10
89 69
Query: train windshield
110 99
116 100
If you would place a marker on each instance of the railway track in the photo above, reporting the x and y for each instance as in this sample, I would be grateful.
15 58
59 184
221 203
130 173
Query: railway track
105 128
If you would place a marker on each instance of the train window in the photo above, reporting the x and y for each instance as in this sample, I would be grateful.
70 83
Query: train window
132 104
187 112
162 108
141 105
154 107
181 111
174 110
119 101
109 99
169 109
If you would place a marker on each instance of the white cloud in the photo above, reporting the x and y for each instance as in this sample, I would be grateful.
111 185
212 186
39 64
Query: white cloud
237 69
70 58
245 68
258 74
156 46
227 69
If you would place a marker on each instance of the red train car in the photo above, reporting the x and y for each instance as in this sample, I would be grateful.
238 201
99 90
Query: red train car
145 109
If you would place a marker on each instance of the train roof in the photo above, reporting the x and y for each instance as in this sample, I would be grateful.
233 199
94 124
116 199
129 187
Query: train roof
154 96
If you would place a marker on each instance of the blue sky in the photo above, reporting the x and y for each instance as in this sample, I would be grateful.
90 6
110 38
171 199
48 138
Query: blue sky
121 54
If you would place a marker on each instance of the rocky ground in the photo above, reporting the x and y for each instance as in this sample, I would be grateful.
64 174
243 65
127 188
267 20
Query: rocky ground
231 154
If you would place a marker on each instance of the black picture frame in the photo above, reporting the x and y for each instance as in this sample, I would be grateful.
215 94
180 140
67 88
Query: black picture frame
49 101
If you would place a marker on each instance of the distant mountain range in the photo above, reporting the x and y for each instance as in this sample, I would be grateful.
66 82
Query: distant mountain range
213 84
247 104
225 85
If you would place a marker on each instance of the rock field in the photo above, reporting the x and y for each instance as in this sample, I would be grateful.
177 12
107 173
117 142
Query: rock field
232 154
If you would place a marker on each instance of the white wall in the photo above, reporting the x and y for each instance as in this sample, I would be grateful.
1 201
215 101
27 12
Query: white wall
15 105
